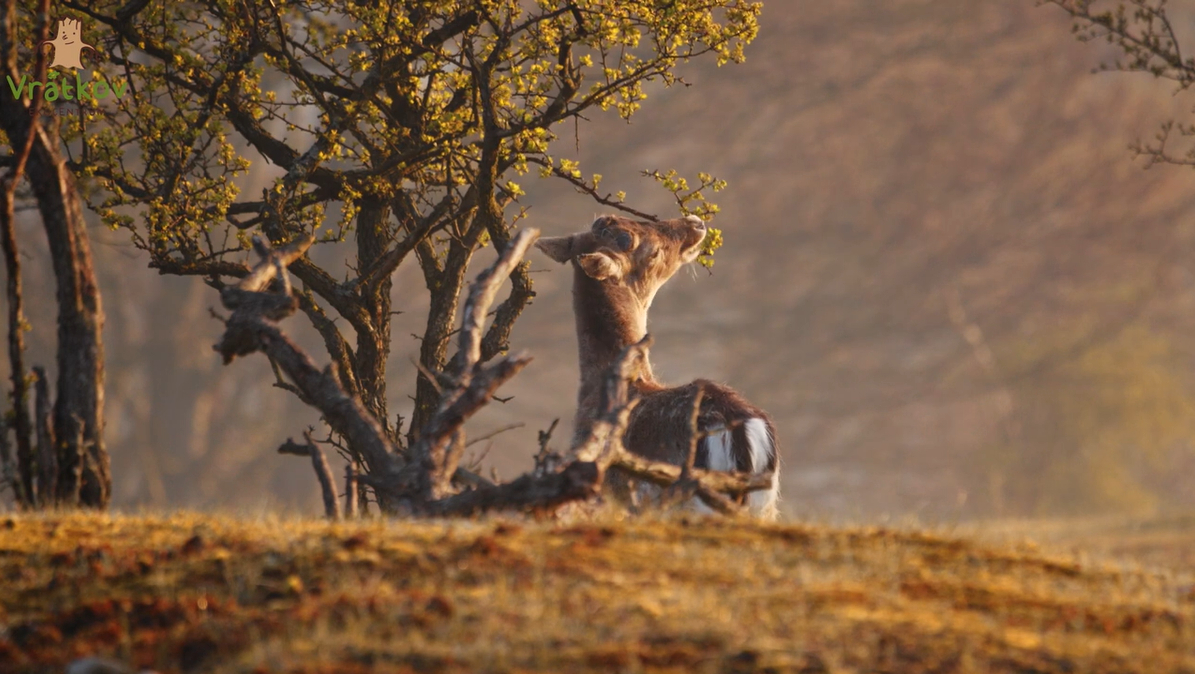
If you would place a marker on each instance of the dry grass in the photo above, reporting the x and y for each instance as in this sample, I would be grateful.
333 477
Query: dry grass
218 594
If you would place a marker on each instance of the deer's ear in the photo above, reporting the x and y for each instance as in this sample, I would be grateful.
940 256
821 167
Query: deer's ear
559 248
599 266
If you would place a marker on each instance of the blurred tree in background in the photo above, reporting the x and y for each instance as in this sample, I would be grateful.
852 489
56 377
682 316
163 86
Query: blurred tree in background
69 464
1092 427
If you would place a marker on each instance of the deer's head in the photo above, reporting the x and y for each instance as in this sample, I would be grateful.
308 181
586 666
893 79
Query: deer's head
640 256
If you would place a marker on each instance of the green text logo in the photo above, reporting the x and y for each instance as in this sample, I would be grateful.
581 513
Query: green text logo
68 46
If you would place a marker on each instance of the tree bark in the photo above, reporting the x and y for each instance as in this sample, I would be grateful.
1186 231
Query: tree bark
47 450
373 347
23 478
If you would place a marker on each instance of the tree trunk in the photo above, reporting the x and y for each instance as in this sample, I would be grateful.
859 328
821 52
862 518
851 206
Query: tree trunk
374 349
23 475
78 410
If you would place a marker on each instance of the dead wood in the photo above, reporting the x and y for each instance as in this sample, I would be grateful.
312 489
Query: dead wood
350 491
320 464
666 474
578 481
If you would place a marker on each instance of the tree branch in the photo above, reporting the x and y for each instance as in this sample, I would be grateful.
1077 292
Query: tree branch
431 453
252 328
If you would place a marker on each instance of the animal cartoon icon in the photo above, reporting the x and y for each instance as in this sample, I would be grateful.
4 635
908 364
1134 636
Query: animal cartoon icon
68 45
618 265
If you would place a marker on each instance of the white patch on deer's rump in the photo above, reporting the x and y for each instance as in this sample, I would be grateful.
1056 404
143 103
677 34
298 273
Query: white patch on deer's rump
763 502
760 444
718 456
718 443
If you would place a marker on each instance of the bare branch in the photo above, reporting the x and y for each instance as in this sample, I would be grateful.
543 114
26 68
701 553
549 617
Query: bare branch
432 453
323 473
278 259
252 328
584 187
350 490
320 464
492 434
685 486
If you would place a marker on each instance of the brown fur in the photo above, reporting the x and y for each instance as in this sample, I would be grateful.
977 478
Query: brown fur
659 427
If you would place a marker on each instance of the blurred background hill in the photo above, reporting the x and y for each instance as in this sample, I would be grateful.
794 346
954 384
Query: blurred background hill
944 276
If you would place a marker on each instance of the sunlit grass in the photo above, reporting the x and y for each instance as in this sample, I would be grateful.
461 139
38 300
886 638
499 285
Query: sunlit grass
203 593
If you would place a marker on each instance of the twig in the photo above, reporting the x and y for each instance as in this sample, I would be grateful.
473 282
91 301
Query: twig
431 376
545 436
546 460
487 436
585 188
320 464
470 478
350 490
280 382
293 448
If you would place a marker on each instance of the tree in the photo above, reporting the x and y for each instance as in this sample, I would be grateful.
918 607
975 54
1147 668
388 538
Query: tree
1144 33
71 463
404 127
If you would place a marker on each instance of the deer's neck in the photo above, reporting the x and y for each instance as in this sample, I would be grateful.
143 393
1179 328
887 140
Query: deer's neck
609 319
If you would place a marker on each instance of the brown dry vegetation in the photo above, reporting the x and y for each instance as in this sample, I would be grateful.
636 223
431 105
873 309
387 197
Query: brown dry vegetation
218 594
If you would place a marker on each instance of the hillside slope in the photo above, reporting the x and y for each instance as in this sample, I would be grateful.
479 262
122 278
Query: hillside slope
205 594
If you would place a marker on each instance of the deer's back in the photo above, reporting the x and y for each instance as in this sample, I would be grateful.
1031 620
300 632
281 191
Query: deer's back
659 427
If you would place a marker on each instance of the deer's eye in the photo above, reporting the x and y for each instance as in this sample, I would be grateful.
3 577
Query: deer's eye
622 240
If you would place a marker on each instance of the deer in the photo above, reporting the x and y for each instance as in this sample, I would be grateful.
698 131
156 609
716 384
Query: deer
619 265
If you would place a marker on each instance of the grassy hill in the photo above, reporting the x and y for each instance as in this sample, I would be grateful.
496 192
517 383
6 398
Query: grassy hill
213 594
